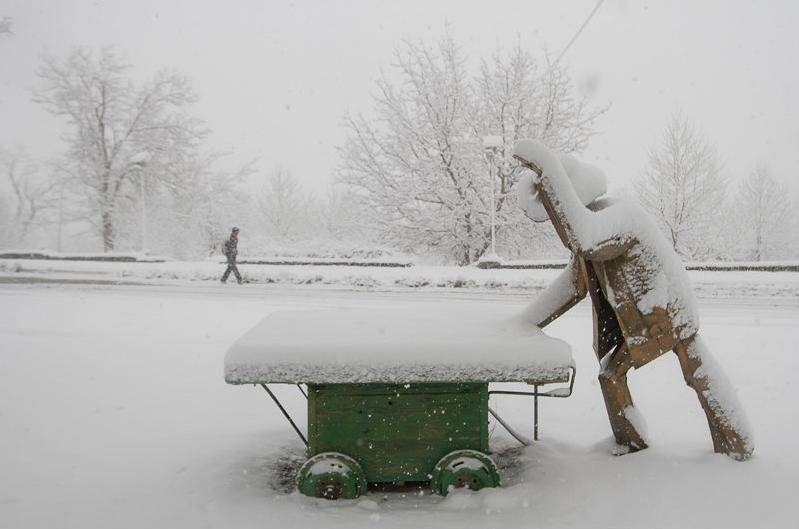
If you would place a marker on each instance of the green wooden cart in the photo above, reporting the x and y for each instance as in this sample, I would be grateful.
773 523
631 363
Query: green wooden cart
398 396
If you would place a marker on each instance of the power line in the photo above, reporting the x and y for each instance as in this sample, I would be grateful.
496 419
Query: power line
579 31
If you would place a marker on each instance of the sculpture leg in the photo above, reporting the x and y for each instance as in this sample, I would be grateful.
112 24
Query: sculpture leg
619 403
727 422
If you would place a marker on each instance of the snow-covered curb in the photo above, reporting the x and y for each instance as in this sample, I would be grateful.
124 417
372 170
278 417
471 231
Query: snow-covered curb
48 255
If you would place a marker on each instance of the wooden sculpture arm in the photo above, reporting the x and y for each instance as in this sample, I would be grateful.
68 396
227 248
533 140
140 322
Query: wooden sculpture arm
562 294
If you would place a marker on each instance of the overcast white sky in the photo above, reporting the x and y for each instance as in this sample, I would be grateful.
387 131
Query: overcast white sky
275 77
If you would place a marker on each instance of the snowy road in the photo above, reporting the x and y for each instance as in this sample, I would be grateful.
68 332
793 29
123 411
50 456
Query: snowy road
113 413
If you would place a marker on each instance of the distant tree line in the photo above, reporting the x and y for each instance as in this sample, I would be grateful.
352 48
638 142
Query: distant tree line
137 174
707 215
415 174
417 164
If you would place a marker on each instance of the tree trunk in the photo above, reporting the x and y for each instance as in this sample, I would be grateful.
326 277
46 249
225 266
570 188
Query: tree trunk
464 259
758 244
108 231
482 249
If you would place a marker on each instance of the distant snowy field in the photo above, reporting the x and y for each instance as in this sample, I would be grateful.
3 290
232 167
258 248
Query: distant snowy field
114 413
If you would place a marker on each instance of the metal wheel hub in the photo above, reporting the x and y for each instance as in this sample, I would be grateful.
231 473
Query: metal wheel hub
329 488
464 469
332 476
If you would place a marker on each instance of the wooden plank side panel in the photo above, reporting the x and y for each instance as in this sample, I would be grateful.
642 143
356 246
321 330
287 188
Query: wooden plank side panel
397 432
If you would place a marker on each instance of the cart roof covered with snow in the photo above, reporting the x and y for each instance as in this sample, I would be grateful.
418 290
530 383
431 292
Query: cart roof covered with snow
418 344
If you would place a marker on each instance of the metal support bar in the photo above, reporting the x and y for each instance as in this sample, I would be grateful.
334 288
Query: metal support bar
560 393
555 393
519 437
535 412
285 414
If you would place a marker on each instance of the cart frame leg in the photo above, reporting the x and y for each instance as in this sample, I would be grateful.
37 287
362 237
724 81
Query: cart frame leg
535 412
286 414
560 393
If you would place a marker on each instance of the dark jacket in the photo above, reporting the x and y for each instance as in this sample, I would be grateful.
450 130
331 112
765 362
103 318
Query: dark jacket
231 248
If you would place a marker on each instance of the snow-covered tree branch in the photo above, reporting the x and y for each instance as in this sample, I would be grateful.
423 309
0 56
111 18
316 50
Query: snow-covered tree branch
417 165
195 204
684 189
6 26
284 206
31 198
116 127
763 208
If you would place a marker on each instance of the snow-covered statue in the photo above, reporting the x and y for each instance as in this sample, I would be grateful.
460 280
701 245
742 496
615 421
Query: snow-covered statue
643 303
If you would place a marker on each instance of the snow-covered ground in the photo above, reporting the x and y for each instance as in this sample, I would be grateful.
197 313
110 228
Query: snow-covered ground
707 284
114 413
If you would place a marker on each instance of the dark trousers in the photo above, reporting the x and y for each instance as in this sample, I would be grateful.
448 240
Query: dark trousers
231 267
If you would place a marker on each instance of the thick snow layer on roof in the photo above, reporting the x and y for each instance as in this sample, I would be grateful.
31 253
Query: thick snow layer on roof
395 346
661 277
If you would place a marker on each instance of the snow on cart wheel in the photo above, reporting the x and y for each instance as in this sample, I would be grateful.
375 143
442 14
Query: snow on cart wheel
332 476
464 468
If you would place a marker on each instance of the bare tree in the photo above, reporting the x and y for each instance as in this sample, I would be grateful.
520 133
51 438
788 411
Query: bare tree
6 26
418 167
340 215
201 203
32 195
285 206
116 127
764 209
519 97
683 188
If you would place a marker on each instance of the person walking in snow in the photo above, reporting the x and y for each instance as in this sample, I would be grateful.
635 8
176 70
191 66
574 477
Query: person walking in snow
231 251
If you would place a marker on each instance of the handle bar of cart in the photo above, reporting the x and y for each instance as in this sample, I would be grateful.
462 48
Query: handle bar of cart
559 393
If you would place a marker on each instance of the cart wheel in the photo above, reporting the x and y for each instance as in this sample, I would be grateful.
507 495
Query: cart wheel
464 468
331 475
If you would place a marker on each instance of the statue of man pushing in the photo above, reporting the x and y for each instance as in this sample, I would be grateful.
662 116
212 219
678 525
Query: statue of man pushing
643 304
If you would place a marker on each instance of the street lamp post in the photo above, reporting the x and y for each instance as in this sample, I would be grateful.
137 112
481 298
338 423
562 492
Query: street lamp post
491 146
140 164
490 155
60 214
143 213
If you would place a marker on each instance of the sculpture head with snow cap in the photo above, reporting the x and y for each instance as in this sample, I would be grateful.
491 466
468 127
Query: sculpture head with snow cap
562 189
589 182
